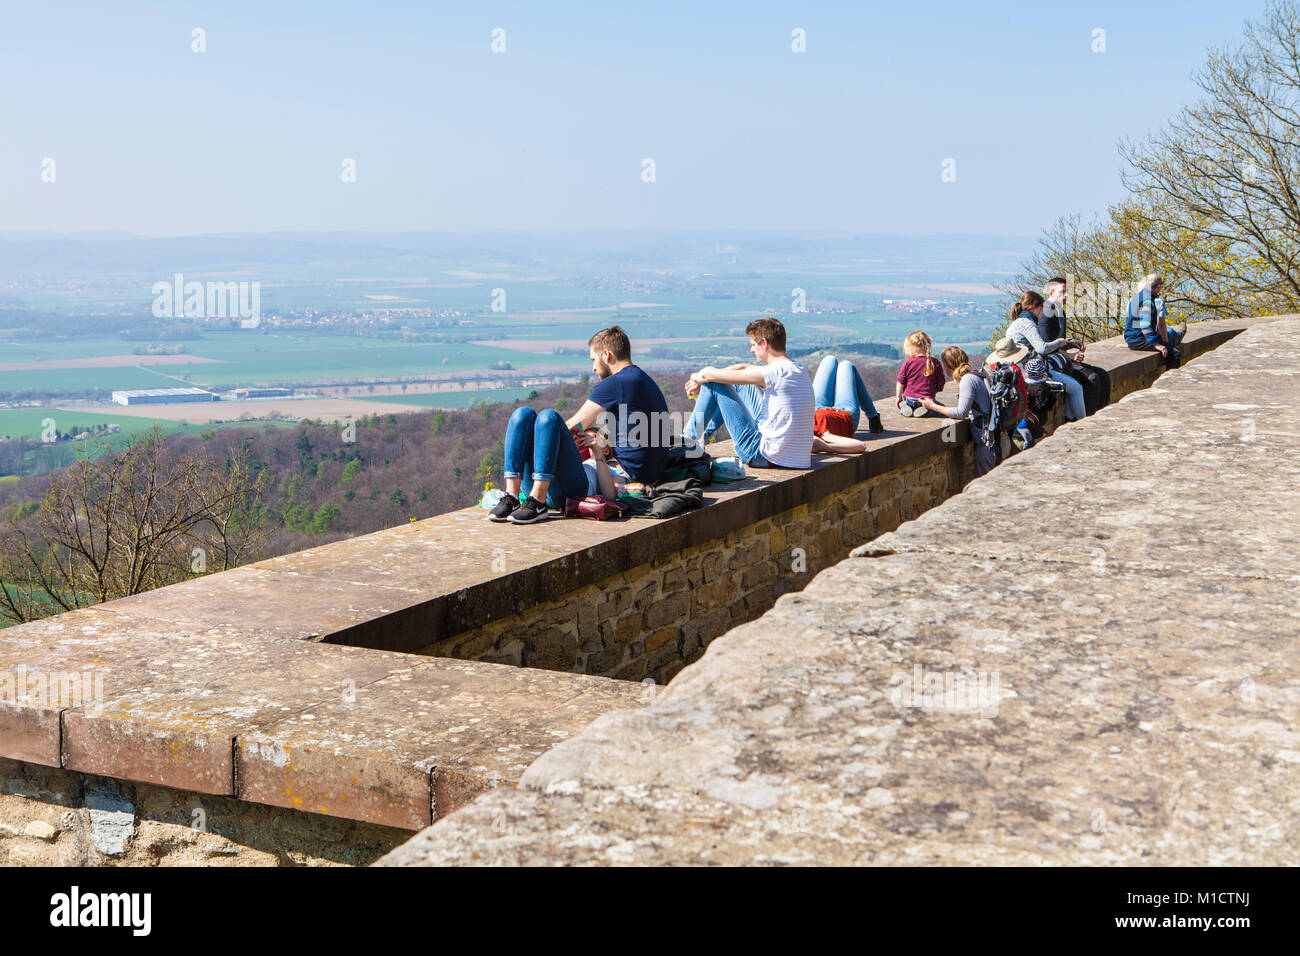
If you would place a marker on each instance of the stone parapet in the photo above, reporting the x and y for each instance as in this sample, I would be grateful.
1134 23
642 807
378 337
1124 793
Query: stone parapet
1089 656
428 585
391 739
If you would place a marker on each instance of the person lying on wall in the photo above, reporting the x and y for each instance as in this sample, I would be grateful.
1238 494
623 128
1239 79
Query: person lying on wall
768 407
544 452
841 399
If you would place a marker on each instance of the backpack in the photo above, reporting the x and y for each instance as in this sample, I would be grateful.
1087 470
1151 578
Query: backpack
682 464
1042 399
1008 401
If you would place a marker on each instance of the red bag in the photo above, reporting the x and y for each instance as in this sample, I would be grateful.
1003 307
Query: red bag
596 507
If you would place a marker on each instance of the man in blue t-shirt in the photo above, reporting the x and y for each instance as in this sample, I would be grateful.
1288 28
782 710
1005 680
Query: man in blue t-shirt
631 407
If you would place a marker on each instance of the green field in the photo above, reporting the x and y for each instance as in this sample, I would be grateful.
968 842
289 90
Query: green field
252 358
17 422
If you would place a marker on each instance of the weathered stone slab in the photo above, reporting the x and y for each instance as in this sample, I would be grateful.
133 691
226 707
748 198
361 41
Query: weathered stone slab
501 760
278 605
456 728
939 704
74 660
178 730
169 705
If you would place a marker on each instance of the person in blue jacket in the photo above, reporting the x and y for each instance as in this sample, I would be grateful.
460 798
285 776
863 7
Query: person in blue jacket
1145 329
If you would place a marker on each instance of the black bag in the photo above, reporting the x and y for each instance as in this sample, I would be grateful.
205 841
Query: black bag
1042 397
1095 381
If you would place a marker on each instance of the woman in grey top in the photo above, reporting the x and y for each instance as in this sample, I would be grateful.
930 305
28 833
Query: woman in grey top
1023 330
973 403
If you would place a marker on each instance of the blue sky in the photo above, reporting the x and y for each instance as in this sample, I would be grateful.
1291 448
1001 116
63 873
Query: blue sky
249 136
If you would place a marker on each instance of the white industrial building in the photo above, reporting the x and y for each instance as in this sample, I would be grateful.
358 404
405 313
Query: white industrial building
163 396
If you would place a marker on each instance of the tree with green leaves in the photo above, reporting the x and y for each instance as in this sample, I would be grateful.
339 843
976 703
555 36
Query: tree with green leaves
324 518
1214 201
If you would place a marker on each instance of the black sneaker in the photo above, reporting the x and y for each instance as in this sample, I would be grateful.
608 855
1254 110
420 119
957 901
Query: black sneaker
504 508
530 511
874 426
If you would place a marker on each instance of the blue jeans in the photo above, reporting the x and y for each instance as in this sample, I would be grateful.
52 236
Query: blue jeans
1075 409
539 446
914 404
839 385
737 407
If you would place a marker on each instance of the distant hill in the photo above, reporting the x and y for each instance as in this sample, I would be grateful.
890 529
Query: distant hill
398 253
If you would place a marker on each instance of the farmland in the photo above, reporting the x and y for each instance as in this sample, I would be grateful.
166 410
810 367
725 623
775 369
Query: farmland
397 322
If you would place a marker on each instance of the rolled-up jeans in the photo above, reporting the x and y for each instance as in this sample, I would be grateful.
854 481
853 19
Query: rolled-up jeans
539 446
737 407
838 384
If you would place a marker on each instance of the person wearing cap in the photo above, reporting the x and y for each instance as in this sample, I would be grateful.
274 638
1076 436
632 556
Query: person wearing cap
1145 329
1007 352
1023 330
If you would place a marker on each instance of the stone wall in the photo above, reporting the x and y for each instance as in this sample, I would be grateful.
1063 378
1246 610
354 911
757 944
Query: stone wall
650 621
54 817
